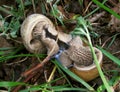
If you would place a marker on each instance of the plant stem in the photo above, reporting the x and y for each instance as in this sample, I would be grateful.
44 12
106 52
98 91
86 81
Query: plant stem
94 10
23 8
96 62
50 78
106 8
5 10
33 3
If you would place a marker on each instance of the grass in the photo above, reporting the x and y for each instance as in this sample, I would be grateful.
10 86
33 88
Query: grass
12 27
95 9
74 76
110 56
106 8
82 29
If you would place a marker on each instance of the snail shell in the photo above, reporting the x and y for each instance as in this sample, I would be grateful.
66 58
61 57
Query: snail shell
34 26
31 44
90 72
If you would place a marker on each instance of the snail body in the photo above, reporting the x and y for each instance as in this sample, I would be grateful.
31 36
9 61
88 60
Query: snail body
80 57
78 54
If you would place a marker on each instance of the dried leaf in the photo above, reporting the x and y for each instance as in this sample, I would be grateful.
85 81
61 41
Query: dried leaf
114 23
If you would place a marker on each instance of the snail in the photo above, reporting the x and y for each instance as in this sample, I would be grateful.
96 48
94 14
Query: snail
39 35
78 58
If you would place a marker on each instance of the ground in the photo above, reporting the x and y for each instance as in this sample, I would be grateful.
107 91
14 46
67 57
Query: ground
105 33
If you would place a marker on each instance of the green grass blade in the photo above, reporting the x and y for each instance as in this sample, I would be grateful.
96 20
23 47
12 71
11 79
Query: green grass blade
55 89
74 76
64 76
106 8
4 58
68 89
94 10
112 41
84 24
6 48
105 82
5 10
10 84
110 56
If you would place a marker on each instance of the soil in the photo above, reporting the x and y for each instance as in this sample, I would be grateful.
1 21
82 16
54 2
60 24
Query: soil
106 26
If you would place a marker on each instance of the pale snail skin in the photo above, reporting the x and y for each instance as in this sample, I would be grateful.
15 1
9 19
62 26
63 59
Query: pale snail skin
76 54
34 35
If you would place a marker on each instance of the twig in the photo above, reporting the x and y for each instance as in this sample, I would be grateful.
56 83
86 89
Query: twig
50 77
16 89
25 81
18 61
97 16
116 52
34 70
106 41
5 10
87 7
23 8
33 3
